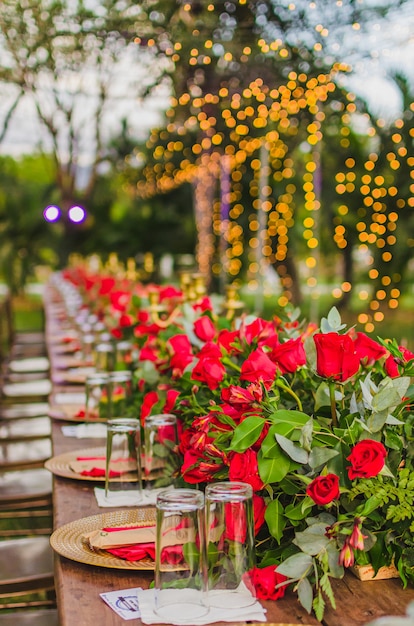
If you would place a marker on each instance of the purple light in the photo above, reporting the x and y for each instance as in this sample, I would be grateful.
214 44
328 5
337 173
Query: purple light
51 213
77 214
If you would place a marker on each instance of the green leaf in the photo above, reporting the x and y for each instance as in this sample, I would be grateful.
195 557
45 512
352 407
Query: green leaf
269 443
298 511
322 396
332 323
376 421
336 570
291 417
306 435
319 605
273 470
247 433
390 393
275 519
305 594
312 540
296 566
191 555
296 453
369 506
319 456
393 441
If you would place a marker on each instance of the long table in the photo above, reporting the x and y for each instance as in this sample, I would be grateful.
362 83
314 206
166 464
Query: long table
78 585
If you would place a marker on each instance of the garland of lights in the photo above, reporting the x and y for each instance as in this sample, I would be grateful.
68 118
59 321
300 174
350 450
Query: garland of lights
193 149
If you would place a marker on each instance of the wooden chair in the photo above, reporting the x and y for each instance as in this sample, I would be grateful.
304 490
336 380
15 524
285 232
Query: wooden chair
46 617
25 428
29 391
20 454
19 410
25 503
19 370
26 573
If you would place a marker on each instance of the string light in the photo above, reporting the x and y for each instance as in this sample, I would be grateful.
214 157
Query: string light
374 190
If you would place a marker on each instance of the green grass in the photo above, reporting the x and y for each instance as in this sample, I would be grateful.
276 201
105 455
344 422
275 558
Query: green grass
28 313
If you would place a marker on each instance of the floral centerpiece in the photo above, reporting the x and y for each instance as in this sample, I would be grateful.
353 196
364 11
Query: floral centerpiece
317 420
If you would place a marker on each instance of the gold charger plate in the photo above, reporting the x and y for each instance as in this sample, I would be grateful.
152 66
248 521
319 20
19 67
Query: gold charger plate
67 540
60 465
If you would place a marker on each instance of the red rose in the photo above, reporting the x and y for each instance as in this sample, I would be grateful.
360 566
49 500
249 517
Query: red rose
324 489
265 580
169 293
229 340
204 328
209 369
289 356
260 331
149 400
204 304
235 521
197 468
120 300
392 364
107 284
182 355
336 356
367 349
244 468
258 367
170 400
259 509
367 459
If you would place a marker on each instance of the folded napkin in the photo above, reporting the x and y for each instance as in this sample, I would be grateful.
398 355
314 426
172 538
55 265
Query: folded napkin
85 431
135 543
253 613
132 543
95 466
126 498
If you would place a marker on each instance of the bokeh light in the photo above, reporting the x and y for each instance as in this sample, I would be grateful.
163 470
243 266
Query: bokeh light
77 214
51 213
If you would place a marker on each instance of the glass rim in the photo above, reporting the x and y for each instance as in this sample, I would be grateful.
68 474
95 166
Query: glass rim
180 499
123 421
160 419
96 378
228 490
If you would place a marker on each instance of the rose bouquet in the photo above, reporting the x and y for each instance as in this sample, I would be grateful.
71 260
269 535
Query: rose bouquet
317 420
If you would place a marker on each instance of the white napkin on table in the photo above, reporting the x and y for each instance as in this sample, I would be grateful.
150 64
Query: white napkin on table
84 431
126 498
253 613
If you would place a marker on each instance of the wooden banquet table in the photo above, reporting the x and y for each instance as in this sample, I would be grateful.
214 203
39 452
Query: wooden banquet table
78 585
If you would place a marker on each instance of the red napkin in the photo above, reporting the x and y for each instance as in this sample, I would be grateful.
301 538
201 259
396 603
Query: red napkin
100 471
136 552
82 413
